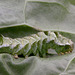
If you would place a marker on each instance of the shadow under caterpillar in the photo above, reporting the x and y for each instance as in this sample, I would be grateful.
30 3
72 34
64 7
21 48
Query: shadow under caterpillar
38 44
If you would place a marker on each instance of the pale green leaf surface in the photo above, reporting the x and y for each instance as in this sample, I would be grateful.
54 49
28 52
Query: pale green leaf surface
51 14
11 12
70 68
37 66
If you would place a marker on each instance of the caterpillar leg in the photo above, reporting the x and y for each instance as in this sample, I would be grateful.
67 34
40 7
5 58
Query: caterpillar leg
16 56
26 56
43 40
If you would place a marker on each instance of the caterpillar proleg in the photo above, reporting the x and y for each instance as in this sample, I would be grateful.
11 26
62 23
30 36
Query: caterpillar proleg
37 44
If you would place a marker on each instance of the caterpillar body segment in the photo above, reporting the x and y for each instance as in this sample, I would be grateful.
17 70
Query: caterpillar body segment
33 45
37 44
5 44
14 45
23 46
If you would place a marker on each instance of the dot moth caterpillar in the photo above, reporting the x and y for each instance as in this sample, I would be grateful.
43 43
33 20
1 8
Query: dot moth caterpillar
38 44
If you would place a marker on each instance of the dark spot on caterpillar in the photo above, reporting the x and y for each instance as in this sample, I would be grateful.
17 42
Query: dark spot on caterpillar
36 44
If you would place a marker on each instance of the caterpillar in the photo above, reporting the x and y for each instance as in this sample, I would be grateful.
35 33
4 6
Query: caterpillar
38 44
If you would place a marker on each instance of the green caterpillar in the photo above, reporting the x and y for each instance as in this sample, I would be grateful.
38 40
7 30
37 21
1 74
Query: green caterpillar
37 44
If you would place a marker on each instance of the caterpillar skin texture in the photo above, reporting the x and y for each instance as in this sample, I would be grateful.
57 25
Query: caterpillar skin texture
37 44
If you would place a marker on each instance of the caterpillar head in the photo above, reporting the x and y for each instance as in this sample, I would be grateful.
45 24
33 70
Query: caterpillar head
65 49
59 43
65 45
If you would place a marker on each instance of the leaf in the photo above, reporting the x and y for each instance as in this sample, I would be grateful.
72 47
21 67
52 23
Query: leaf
17 31
36 66
69 70
11 12
51 14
